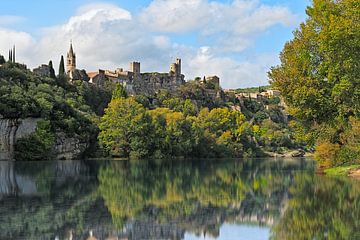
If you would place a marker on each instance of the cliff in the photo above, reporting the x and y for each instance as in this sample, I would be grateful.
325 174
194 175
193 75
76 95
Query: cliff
11 130
51 117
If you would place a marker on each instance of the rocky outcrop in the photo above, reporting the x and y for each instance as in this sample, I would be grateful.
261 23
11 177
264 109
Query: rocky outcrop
11 130
67 148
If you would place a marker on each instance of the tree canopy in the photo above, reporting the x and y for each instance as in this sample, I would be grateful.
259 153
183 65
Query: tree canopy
319 74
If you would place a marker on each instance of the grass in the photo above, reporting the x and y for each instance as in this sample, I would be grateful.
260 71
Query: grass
341 171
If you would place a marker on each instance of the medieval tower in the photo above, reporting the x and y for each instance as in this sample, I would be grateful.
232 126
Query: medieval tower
175 68
135 67
70 60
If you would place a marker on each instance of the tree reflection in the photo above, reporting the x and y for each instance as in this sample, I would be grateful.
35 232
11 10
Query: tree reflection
196 195
321 208
165 199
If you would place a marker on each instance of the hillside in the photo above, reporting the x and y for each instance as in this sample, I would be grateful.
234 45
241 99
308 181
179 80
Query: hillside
50 117
62 112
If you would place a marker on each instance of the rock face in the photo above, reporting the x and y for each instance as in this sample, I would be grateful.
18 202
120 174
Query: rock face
68 148
11 130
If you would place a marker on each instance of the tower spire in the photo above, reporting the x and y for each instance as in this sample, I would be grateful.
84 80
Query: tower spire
71 59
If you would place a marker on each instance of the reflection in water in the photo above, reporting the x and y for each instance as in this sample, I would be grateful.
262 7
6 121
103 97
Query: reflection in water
321 208
175 200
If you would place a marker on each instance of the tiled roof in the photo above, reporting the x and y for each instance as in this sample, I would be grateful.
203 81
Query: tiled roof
92 74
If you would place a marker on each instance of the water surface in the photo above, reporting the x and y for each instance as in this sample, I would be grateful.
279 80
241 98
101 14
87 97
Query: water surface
197 199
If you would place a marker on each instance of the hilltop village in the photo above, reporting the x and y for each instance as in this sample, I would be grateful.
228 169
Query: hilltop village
134 81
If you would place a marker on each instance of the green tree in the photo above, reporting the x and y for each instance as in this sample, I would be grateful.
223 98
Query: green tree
52 71
62 66
119 92
319 75
189 108
125 129
2 59
38 145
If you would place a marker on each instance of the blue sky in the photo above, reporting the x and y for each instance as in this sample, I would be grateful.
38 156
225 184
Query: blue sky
236 39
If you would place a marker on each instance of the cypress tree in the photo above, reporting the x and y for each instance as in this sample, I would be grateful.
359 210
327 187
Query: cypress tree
2 59
52 71
62 67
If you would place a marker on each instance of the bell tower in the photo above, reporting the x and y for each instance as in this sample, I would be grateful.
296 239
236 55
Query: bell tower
70 60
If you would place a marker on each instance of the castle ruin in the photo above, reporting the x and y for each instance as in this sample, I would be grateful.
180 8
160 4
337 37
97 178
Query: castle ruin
134 81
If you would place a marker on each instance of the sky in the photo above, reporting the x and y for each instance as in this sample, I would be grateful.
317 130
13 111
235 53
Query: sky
237 40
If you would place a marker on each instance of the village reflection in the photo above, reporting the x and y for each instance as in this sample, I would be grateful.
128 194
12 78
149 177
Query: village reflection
172 199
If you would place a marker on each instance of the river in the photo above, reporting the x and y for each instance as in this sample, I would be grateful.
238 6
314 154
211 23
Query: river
225 199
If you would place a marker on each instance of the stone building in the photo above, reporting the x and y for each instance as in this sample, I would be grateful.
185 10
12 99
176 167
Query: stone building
70 60
99 78
136 82
213 80
271 93
43 70
72 72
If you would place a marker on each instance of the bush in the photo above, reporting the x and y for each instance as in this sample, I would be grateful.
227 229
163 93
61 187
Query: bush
326 153
38 145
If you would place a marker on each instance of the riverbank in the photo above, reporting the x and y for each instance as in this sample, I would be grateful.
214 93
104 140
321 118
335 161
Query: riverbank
289 154
350 171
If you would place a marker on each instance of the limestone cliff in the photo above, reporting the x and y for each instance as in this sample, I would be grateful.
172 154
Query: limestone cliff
13 129
67 148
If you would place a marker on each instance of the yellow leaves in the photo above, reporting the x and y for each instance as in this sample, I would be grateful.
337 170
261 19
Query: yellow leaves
256 129
225 138
326 153
174 117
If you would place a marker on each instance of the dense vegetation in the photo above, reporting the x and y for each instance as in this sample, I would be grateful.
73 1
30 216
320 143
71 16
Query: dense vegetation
63 107
193 121
187 124
253 89
319 77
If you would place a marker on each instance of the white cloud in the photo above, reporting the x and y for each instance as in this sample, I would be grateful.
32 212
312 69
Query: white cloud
107 36
234 26
10 19
233 73
175 15
24 44
104 36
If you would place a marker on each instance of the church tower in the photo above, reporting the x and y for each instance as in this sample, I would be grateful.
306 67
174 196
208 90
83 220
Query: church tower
70 60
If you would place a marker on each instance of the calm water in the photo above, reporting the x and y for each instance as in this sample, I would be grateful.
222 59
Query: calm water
233 199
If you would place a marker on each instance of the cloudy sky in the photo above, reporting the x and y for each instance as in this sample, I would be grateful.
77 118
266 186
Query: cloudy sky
238 40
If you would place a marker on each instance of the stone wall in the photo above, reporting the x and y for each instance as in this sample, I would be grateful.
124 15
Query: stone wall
43 70
150 83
